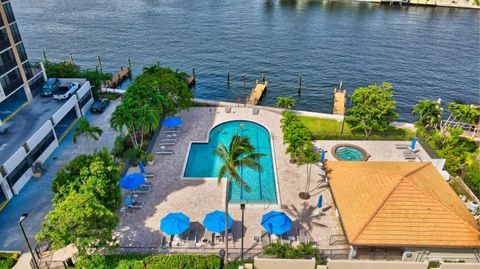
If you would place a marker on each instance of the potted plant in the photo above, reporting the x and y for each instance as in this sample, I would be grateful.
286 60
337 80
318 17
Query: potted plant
150 159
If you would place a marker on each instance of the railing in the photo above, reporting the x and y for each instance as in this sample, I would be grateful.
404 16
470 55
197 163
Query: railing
361 136
337 239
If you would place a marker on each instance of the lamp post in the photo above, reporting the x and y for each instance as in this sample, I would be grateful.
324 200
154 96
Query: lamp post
22 218
242 207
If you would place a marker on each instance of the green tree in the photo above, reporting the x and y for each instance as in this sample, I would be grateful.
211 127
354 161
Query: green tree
373 108
287 119
465 113
89 131
309 157
64 69
240 153
430 113
80 219
96 173
286 102
96 80
296 135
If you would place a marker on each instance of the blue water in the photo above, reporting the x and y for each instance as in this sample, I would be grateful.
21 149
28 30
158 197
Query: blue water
348 153
203 163
424 52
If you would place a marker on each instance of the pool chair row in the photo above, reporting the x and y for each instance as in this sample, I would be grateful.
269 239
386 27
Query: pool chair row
168 139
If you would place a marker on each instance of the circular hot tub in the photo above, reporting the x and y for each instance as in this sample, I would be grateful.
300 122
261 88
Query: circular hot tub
349 152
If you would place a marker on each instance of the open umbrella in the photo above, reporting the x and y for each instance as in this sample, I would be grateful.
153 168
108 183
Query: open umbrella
215 221
132 181
276 222
414 142
174 223
172 122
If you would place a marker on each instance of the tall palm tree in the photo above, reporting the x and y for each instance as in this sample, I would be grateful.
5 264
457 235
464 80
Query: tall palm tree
240 153
123 117
309 157
84 128
148 120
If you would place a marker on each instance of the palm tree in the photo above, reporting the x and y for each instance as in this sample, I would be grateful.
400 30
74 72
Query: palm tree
123 117
286 102
148 120
430 113
84 128
151 69
240 153
309 157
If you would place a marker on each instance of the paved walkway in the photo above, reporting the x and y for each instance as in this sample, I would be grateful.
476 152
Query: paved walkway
140 228
35 198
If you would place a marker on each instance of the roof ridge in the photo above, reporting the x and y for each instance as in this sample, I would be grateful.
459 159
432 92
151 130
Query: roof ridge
475 229
420 167
378 208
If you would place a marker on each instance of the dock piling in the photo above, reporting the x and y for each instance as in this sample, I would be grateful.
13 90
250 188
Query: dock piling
299 85
228 77
71 58
100 64
45 56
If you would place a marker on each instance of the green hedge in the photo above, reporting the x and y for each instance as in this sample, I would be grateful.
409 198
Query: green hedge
360 136
137 261
8 260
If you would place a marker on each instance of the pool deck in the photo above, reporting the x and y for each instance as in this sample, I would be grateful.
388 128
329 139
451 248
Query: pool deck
140 228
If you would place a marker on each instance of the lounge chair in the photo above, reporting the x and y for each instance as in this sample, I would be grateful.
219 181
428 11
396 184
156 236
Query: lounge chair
130 204
408 155
228 109
143 189
167 142
402 146
165 152
255 111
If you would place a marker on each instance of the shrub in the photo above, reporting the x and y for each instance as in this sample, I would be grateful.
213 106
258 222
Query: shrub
8 260
286 251
119 146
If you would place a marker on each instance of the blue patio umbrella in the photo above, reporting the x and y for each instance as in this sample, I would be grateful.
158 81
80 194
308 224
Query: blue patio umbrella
172 122
142 167
132 181
276 222
215 221
322 156
320 201
174 223
414 142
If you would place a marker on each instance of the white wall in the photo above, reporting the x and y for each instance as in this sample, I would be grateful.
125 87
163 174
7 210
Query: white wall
39 135
22 181
58 116
6 189
14 160
83 90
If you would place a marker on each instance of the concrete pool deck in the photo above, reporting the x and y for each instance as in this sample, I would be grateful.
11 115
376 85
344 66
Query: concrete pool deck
195 198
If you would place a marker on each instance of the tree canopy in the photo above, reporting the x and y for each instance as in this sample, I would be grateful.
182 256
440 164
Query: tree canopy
465 113
373 108
430 113
286 102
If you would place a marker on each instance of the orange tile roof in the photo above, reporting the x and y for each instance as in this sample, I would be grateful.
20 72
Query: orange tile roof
399 203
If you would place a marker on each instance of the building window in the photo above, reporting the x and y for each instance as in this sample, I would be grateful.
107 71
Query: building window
7 61
85 99
21 52
42 146
15 33
37 83
11 82
4 42
12 103
9 12
18 172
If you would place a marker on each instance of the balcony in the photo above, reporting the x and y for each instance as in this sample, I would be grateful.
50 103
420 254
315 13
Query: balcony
7 66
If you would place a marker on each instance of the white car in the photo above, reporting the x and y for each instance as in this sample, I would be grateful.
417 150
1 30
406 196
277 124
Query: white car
64 91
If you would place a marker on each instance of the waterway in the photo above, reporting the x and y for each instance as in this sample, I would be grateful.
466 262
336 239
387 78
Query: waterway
424 52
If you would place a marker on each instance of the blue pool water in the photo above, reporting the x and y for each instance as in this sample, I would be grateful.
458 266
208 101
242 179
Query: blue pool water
348 153
203 163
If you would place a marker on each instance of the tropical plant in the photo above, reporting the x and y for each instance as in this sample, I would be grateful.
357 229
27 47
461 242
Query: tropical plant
240 153
97 174
430 113
373 108
296 136
64 69
80 219
285 251
465 113
286 102
309 157
287 119
96 80
89 131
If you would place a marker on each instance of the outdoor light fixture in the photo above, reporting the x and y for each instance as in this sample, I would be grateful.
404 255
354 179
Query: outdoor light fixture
22 218
242 207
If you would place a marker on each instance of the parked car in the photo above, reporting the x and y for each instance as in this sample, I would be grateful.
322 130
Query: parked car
49 87
65 91
99 106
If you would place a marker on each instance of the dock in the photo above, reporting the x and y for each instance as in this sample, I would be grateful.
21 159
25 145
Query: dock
257 93
118 78
339 101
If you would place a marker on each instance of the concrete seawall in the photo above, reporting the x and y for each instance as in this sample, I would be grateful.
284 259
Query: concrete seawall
431 3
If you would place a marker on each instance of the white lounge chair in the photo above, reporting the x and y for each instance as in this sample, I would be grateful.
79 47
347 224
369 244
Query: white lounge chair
165 152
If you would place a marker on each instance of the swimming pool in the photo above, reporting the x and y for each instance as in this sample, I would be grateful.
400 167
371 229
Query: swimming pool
203 163
348 152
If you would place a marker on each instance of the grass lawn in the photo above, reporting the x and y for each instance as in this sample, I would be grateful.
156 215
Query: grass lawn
330 129
317 125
